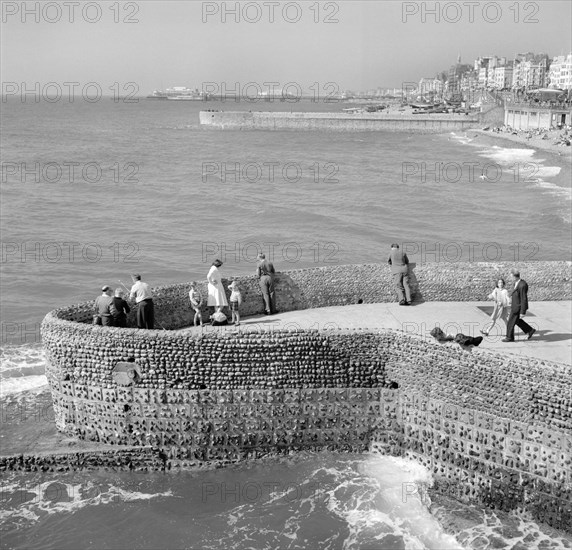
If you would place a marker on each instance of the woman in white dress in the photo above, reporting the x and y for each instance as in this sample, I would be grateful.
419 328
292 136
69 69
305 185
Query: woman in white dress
217 296
502 306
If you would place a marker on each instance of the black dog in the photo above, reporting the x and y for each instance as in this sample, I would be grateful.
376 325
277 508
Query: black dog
460 338
463 340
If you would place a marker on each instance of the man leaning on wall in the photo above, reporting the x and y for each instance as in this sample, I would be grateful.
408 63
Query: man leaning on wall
400 270
265 273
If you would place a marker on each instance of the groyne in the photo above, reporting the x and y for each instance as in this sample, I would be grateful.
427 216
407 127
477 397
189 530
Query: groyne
352 122
493 429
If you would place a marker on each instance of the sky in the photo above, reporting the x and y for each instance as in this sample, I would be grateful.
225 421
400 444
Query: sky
324 46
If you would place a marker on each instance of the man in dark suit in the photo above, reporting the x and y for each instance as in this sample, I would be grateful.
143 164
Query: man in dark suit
518 307
400 270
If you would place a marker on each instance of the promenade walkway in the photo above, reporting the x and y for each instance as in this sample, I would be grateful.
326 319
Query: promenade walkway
552 321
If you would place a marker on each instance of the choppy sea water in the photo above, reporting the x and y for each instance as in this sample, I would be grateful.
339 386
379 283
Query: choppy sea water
303 501
153 192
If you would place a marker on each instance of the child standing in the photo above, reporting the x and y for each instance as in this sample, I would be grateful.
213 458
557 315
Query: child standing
196 302
235 302
502 305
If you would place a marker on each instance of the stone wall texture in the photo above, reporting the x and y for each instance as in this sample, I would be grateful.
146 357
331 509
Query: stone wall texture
337 122
492 429
338 285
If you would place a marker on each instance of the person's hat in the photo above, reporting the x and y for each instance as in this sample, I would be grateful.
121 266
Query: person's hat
104 288
232 285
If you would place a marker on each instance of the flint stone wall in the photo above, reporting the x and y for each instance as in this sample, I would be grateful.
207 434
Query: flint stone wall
492 429
350 284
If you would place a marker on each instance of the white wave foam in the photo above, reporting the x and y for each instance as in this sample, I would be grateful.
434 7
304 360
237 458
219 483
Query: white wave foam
514 530
22 368
548 171
27 503
11 386
508 156
464 139
530 171
374 507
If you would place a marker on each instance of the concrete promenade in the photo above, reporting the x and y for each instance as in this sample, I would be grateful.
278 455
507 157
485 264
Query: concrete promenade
552 321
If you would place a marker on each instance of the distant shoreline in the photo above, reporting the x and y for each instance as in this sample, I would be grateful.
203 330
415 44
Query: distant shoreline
562 152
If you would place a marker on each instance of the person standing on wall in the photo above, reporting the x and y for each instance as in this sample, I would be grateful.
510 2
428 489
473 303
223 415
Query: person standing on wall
518 308
400 270
216 296
144 300
119 309
101 310
265 273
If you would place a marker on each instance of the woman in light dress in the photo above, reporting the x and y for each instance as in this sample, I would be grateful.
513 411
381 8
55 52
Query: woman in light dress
502 306
216 294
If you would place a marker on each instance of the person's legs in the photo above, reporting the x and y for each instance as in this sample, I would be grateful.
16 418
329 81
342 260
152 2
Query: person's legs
272 295
406 286
264 284
512 319
398 283
147 314
494 317
504 315
140 315
524 326
151 320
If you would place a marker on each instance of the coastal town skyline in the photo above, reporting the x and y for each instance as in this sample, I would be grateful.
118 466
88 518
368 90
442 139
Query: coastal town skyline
356 46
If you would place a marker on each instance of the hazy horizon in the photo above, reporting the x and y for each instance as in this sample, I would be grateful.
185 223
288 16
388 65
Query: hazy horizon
365 45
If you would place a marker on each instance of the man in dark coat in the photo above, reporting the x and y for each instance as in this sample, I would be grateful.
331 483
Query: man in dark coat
518 307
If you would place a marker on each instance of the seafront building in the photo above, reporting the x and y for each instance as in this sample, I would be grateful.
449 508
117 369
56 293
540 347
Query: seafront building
524 116
530 70
431 86
501 78
560 73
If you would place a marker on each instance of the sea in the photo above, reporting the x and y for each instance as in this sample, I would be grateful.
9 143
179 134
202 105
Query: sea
95 191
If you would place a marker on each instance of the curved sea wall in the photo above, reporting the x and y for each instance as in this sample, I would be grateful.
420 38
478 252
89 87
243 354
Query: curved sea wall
338 122
492 428
352 284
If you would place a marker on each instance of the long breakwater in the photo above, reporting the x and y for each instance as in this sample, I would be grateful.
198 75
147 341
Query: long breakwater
422 123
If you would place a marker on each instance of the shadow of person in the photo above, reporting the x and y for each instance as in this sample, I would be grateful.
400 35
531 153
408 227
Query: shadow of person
416 294
548 336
